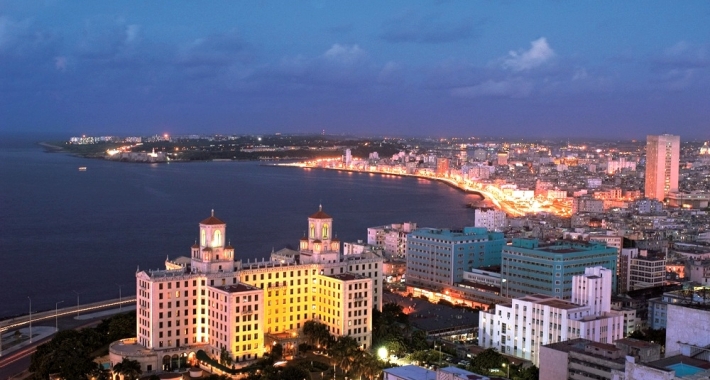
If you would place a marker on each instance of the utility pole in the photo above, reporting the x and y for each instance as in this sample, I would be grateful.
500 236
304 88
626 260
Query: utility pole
77 302
120 305
28 297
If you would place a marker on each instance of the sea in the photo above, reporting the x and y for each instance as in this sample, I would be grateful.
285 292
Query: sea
64 231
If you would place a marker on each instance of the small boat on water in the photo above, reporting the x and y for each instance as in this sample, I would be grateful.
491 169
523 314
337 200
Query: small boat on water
82 168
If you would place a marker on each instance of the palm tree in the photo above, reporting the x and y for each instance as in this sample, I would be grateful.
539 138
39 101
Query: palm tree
372 367
343 352
129 369
99 373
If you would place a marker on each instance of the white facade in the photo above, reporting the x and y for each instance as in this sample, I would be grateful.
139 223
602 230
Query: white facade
614 166
647 206
348 157
615 241
491 219
391 237
593 289
686 327
521 327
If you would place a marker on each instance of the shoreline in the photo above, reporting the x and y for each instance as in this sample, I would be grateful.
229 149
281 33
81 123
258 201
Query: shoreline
51 148
440 180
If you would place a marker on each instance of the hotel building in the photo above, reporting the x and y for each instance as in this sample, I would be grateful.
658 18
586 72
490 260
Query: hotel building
211 302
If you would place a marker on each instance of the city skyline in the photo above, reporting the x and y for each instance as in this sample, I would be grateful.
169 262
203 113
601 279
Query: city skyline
548 69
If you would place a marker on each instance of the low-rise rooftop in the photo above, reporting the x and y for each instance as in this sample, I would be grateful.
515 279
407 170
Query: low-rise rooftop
237 288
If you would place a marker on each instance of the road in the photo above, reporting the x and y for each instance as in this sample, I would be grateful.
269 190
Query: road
511 206
13 365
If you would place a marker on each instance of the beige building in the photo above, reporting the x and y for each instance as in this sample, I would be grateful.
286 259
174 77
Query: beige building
212 303
662 164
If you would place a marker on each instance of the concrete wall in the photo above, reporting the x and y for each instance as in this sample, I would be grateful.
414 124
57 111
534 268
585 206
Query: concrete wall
553 364
686 325
636 371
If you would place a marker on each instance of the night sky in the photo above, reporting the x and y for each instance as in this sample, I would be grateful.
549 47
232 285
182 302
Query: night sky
608 69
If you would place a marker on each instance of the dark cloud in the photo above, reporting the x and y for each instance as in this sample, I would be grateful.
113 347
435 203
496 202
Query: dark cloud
683 55
22 40
680 67
221 49
341 28
339 66
106 38
453 73
428 29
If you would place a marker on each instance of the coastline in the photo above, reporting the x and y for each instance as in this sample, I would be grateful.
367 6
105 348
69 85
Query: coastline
440 180
50 147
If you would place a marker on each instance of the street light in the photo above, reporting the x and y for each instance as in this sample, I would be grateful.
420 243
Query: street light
56 315
28 297
120 305
439 353
382 353
77 302
507 367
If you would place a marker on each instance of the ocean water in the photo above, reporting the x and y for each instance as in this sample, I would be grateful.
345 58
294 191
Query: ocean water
64 230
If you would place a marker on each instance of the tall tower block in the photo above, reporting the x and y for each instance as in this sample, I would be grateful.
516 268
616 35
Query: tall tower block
662 161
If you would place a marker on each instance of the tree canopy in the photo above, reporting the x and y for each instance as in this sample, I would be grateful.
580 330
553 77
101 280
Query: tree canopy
69 353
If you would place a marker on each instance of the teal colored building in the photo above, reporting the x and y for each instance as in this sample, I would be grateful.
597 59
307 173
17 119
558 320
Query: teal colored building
438 257
531 267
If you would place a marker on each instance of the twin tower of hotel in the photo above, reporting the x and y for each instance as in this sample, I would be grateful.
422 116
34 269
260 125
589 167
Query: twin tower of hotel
214 303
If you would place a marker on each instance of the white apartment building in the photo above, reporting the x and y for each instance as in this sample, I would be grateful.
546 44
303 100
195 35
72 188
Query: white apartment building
391 237
519 328
491 219
614 166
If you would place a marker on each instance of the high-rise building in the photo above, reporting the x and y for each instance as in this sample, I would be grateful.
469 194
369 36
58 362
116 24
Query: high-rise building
502 158
662 163
211 302
442 167
348 157
439 257
530 267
